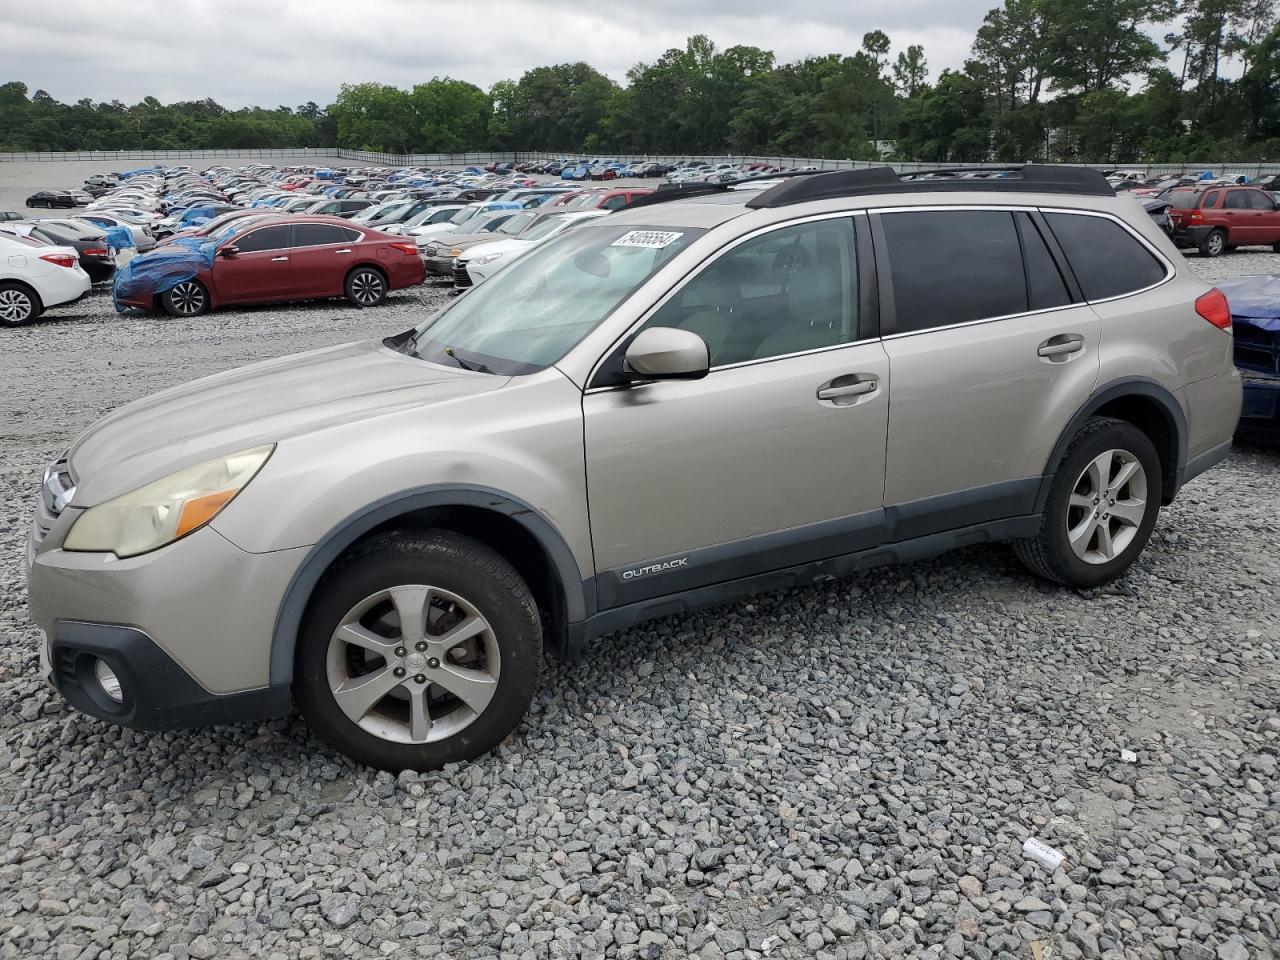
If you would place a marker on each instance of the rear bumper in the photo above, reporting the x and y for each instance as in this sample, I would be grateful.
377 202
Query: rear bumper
1191 236
62 285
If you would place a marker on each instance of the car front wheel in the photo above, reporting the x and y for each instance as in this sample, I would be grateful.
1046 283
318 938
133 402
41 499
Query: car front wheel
18 305
1102 506
366 287
421 648
186 299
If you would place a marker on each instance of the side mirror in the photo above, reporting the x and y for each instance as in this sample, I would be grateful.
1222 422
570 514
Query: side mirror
667 353
230 250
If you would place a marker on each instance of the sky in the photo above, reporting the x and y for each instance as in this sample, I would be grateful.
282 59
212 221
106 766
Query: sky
251 52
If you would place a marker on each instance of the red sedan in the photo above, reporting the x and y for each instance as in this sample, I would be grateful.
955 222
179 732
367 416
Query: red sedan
272 259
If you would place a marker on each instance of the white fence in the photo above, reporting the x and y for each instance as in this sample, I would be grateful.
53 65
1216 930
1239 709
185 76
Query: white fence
333 154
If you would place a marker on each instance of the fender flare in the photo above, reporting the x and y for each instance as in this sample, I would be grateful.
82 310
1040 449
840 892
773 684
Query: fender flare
1175 419
294 603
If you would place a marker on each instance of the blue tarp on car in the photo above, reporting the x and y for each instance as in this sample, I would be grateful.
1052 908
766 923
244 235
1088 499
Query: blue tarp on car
118 237
163 269
1254 300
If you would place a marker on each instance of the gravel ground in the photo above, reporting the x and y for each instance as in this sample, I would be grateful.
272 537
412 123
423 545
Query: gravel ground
843 771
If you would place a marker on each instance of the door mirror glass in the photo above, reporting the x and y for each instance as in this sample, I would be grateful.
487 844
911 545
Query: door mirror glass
666 353
230 250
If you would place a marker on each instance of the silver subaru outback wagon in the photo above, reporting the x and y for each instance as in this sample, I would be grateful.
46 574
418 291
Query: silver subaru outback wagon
712 393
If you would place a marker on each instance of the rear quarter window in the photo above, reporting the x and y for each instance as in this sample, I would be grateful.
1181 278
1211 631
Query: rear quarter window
1107 260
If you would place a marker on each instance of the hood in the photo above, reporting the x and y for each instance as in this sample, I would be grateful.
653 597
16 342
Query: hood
266 402
465 240
497 246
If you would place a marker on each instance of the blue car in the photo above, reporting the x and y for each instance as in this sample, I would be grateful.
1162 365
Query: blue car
1255 319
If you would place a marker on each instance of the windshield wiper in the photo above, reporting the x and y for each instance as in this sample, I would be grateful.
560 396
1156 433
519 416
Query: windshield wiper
476 368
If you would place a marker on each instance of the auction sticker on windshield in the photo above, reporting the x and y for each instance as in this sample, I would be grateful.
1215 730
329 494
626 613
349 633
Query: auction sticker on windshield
653 239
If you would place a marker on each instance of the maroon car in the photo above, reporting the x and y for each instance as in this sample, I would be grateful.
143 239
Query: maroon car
273 259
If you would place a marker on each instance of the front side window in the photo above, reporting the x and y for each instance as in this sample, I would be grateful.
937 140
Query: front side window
953 266
532 313
268 238
791 290
1107 259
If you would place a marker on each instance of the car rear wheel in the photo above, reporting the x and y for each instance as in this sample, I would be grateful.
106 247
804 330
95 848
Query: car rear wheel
1214 245
187 299
18 304
366 287
1102 506
421 648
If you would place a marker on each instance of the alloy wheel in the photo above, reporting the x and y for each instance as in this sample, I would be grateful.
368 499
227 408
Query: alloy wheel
16 306
366 287
413 664
1107 506
187 298
1216 243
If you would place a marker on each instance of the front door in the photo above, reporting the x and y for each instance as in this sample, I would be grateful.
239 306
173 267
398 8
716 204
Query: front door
259 270
776 457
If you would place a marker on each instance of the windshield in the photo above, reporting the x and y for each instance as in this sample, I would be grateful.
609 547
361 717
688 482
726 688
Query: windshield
465 214
548 226
533 312
516 225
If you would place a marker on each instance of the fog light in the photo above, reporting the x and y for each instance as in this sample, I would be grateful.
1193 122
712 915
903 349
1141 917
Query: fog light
108 681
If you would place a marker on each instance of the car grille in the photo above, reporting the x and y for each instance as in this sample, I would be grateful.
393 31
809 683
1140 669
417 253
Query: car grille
1257 349
56 491
460 276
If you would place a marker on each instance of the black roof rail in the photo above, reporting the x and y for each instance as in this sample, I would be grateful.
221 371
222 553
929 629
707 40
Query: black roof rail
678 191
1027 178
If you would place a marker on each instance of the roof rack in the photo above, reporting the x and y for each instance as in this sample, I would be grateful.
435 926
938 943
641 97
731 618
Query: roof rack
1027 178
678 191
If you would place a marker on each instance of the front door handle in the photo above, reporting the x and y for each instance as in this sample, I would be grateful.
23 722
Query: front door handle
845 390
1061 346
279 259
346 250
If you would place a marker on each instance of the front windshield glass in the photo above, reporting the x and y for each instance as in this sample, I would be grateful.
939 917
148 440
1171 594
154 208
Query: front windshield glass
532 313
546 228
465 214
516 225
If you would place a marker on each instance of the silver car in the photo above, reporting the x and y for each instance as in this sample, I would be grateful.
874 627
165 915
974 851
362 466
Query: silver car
672 406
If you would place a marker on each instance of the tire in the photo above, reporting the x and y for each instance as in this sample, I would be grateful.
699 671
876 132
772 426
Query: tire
1214 245
1104 550
365 287
1275 247
462 583
19 304
186 299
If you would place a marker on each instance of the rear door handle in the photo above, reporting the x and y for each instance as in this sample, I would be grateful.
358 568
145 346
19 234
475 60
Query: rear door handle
278 259
1063 345
846 389
347 250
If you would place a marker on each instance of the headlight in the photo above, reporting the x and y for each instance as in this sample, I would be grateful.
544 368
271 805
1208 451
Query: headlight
455 252
170 508
487 258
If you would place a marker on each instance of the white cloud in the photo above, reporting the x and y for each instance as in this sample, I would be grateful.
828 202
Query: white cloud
243 52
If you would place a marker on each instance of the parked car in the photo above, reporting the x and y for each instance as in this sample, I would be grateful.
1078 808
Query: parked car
1255 315
10 215
1221 218
438 252
1270 183
277 258
34 276
389 533
606 199
88 241
477 262
143 239
51 199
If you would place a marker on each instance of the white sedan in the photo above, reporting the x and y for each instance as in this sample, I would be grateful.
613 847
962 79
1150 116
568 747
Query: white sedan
482 261
36 275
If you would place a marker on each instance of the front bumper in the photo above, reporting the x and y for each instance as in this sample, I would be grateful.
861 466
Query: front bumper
1260 415
187 628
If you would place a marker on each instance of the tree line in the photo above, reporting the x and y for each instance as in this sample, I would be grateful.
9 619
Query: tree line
1046 79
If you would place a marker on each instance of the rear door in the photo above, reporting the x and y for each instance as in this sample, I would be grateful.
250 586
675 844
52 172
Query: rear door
321 255
1266 216
260 270
1242 225
990 354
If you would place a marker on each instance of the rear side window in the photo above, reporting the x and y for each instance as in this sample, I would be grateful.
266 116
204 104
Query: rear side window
1237 200
1107 259
953 266
1045 287
1210 199
1260 201
314 234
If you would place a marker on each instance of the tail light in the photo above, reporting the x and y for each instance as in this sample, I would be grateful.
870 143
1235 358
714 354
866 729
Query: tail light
408 249
1213 307
60 259
1195 217
96 252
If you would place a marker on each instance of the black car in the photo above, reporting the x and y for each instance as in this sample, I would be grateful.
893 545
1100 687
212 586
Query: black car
50 199
1271 182
90 245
